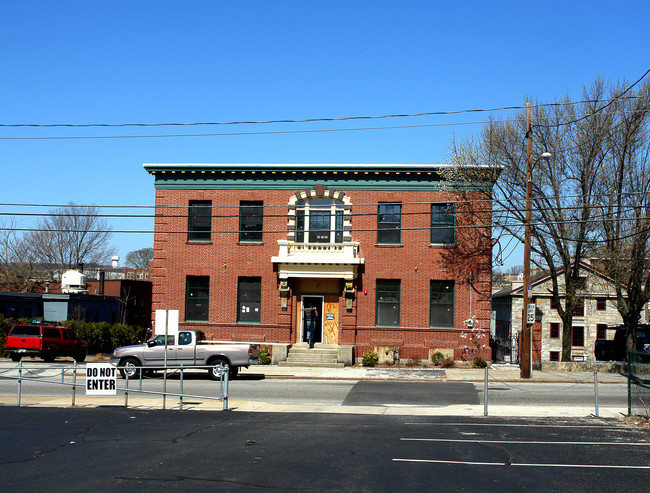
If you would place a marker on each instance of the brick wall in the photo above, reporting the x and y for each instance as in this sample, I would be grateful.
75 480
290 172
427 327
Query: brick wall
415 262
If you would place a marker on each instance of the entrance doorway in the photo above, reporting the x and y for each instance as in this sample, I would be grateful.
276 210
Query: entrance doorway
309 302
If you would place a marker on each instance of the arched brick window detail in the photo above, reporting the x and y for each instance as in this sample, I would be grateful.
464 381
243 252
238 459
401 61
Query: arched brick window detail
319 215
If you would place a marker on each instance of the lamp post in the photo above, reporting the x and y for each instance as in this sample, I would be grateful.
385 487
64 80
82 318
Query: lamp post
527 325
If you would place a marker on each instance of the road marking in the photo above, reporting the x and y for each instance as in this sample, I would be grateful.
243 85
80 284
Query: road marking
515 425
526 442
514 464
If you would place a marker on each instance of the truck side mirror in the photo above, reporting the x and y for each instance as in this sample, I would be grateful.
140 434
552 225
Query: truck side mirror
151 343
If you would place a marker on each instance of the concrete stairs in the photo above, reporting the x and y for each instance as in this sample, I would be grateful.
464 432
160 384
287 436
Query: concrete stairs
316 357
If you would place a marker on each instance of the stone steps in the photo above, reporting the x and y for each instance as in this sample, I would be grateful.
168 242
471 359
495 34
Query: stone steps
317 357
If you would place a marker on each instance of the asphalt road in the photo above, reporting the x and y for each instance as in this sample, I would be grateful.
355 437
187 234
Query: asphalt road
111 449
358 393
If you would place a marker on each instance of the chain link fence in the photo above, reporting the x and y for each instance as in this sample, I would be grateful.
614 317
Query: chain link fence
638 383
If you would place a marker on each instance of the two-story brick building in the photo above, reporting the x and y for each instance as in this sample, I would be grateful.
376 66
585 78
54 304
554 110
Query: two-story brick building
391 256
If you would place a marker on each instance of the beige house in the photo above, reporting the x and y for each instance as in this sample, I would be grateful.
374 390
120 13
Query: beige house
595 319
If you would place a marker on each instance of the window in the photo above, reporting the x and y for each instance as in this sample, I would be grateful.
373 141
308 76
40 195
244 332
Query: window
578 336
251 215
579 310
601 332
389 223
184 338
249 299
555 330
553 305
199 220
441 312
319 220
442 224
554 356
601 304
197 297
387 309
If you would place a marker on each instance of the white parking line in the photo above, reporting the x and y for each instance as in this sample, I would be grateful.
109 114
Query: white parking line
526 442
514 464
524 425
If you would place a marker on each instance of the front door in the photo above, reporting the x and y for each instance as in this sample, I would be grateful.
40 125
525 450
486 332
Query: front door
309 303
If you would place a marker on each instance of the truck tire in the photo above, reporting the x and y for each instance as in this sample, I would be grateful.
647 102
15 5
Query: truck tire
128 366
16 357
80 357
214 372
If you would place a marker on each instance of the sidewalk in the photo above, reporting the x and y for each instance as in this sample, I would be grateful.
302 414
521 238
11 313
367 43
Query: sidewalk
505 373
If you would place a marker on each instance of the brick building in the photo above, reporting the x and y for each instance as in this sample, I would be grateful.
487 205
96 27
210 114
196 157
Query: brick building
391 256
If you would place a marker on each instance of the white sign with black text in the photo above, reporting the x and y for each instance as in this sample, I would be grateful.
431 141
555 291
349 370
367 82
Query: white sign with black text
101 379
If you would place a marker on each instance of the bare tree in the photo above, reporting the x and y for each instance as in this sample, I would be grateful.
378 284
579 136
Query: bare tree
139 259
564 188
70 236
625 208
17 266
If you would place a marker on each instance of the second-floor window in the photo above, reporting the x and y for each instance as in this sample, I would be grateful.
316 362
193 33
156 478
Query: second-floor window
389 223
319 220
443 224
199 220
250 221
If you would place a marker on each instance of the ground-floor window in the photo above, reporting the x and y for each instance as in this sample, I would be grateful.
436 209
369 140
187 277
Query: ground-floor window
601 332
554 356
578 336
388 302
249 299
197 298
555 330
442 304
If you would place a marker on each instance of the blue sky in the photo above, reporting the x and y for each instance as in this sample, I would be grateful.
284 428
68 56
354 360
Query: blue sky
212 61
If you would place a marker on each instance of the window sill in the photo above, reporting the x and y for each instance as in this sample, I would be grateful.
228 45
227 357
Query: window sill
244 322
198 242
251 243
389 245
442 245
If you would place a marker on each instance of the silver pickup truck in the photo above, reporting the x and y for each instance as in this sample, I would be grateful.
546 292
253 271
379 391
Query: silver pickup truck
191 349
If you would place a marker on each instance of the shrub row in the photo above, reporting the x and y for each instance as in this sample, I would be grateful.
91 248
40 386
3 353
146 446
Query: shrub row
101 337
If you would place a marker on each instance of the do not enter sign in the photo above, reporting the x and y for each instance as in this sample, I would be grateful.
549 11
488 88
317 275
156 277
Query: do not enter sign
101 379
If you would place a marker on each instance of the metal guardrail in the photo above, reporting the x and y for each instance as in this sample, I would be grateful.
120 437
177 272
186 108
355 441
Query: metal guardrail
26 374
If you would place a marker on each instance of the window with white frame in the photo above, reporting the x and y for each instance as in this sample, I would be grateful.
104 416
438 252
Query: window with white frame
319 220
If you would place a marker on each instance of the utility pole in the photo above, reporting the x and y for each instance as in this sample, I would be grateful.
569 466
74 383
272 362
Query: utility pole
527 338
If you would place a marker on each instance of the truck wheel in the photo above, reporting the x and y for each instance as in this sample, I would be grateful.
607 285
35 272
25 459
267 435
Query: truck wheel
215 373
16 357
48 355
128 366
80 357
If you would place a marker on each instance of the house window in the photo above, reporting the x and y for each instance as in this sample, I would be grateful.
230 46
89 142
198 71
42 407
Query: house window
389 224
601 304
442 304
553 305
249 299
578 336
601 332
199 220
197 298
554 356
388 302
250 221
579 310
555 330
319 220
443 224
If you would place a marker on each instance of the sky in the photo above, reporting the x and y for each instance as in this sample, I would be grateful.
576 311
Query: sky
116 62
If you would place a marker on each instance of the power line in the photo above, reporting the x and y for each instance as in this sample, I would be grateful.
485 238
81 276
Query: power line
304 120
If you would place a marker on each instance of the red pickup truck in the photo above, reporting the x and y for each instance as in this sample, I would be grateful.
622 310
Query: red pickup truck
45 341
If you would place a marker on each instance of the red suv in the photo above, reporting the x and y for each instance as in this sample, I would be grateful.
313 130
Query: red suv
45 341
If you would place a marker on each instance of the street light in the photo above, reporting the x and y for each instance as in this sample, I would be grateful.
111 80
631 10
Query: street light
527 336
